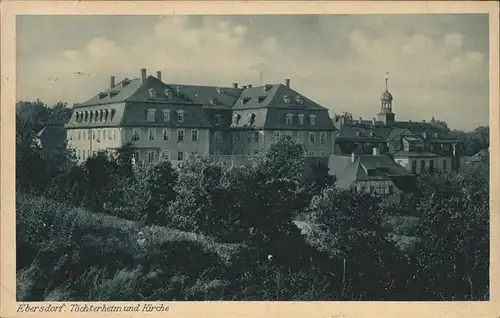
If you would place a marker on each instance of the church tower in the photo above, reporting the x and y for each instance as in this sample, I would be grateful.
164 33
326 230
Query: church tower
386 115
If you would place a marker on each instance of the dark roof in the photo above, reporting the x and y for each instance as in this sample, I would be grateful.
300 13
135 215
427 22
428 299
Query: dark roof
362 132
418 127
382 167
273 95
266 103
403 153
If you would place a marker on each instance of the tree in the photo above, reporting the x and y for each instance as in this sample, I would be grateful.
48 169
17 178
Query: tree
160 181
452 256
474 141
348 225
283 159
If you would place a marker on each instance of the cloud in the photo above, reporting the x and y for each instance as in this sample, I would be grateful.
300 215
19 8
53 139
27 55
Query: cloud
339 62
100 48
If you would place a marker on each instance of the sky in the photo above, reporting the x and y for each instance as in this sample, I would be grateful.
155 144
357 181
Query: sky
437 64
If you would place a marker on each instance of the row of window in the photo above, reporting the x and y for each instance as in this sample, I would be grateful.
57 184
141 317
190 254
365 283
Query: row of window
166 134
82 154
423 165
95 134
288 119
164 154
300 119
382 188
420 147
101 115
251 136
151 115
298 136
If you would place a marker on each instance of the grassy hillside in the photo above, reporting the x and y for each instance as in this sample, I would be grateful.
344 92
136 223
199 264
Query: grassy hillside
71 253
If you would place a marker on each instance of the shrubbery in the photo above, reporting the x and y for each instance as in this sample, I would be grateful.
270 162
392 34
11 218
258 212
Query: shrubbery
105 230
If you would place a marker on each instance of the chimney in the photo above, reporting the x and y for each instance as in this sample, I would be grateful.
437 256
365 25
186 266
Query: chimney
143 75
376 151
235 85
287 82
111 82
374 121
360 120
353 157
423 121
244 86
158 75
249 85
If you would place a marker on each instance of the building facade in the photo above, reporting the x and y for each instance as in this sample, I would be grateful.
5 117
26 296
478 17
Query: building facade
173 121
417 146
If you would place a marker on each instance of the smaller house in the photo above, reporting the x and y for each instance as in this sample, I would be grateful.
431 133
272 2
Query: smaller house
377 174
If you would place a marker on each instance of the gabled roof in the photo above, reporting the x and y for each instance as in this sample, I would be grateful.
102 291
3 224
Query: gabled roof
123 93
273 96
381 167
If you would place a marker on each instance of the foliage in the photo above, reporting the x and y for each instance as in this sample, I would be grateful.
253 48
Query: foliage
212 232
452 260
474 141
349 226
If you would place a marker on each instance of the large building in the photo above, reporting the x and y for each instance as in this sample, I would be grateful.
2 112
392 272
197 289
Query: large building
417 146
172 121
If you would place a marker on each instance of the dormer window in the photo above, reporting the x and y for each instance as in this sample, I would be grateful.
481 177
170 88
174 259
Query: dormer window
287 99
112 94
196 96
244 100
267 88
261 99
102 96
168 93
152 93
211 101
424 135
166 115
178 91
125 82
372 134
218 91
151 114
289 119
299 99
358 133
312 120
436 135
217 120
180 116
301 119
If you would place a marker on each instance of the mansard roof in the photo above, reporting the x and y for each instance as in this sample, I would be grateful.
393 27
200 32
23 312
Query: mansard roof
129 100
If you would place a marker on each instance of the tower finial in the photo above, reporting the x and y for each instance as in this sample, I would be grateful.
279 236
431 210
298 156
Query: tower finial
386 80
